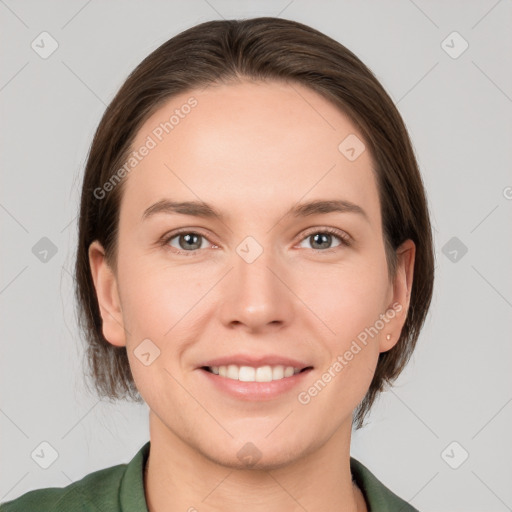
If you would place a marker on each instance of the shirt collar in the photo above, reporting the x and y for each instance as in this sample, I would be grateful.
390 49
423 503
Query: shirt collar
132 497
377 496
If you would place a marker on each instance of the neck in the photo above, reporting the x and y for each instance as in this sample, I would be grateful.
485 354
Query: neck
181 477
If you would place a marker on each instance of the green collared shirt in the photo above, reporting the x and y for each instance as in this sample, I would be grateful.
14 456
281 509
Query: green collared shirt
121 489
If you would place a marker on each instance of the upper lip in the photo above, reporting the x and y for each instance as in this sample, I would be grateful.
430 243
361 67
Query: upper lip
255 361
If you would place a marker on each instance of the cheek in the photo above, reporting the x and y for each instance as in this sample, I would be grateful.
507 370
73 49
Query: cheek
351 312
157 308
155 296
338 387
349 299
160 304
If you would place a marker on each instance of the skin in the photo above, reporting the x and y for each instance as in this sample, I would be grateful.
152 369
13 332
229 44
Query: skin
253 150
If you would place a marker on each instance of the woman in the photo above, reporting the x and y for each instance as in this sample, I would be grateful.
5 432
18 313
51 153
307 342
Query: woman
255 262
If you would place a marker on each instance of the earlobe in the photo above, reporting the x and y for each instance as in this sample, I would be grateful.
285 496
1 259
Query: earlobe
105 283
402 286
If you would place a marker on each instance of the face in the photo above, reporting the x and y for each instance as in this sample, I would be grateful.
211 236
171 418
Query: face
268 282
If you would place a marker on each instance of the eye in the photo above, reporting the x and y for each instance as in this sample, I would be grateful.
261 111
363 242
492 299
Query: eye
321 239
188 242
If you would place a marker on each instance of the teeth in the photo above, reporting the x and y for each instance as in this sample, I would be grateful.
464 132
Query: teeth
263 374
251 374
277 372
289 371
232 372
245 373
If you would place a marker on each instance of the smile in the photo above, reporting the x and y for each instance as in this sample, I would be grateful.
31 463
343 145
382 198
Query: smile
265 373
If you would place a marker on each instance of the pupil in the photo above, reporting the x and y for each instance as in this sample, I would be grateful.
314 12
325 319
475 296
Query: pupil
189 240
325 236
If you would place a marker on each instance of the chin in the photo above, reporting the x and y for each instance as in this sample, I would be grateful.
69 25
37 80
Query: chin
261 454
266 462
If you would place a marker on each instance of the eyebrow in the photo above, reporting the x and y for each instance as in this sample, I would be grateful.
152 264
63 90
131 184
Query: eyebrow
202 209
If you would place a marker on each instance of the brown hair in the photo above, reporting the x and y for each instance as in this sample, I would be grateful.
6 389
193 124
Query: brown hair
261 49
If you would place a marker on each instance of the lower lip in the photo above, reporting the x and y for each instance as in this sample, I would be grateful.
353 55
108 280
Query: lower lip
255 390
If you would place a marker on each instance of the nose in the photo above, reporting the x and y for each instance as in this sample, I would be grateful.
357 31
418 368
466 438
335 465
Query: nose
256 295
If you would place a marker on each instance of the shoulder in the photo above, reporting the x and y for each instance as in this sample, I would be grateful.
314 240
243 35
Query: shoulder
378 497
95 491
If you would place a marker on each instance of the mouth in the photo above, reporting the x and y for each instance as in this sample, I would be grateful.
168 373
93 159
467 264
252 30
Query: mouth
252 378
266 373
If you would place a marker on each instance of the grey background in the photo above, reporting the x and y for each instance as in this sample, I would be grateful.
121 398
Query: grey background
458 111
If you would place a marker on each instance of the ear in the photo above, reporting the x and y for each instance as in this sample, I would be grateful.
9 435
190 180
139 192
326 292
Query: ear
401 295
105 283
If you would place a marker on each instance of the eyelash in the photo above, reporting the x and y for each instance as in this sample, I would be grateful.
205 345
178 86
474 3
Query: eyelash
342 237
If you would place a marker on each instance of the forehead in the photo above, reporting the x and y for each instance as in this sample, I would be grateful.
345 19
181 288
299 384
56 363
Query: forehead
249 146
